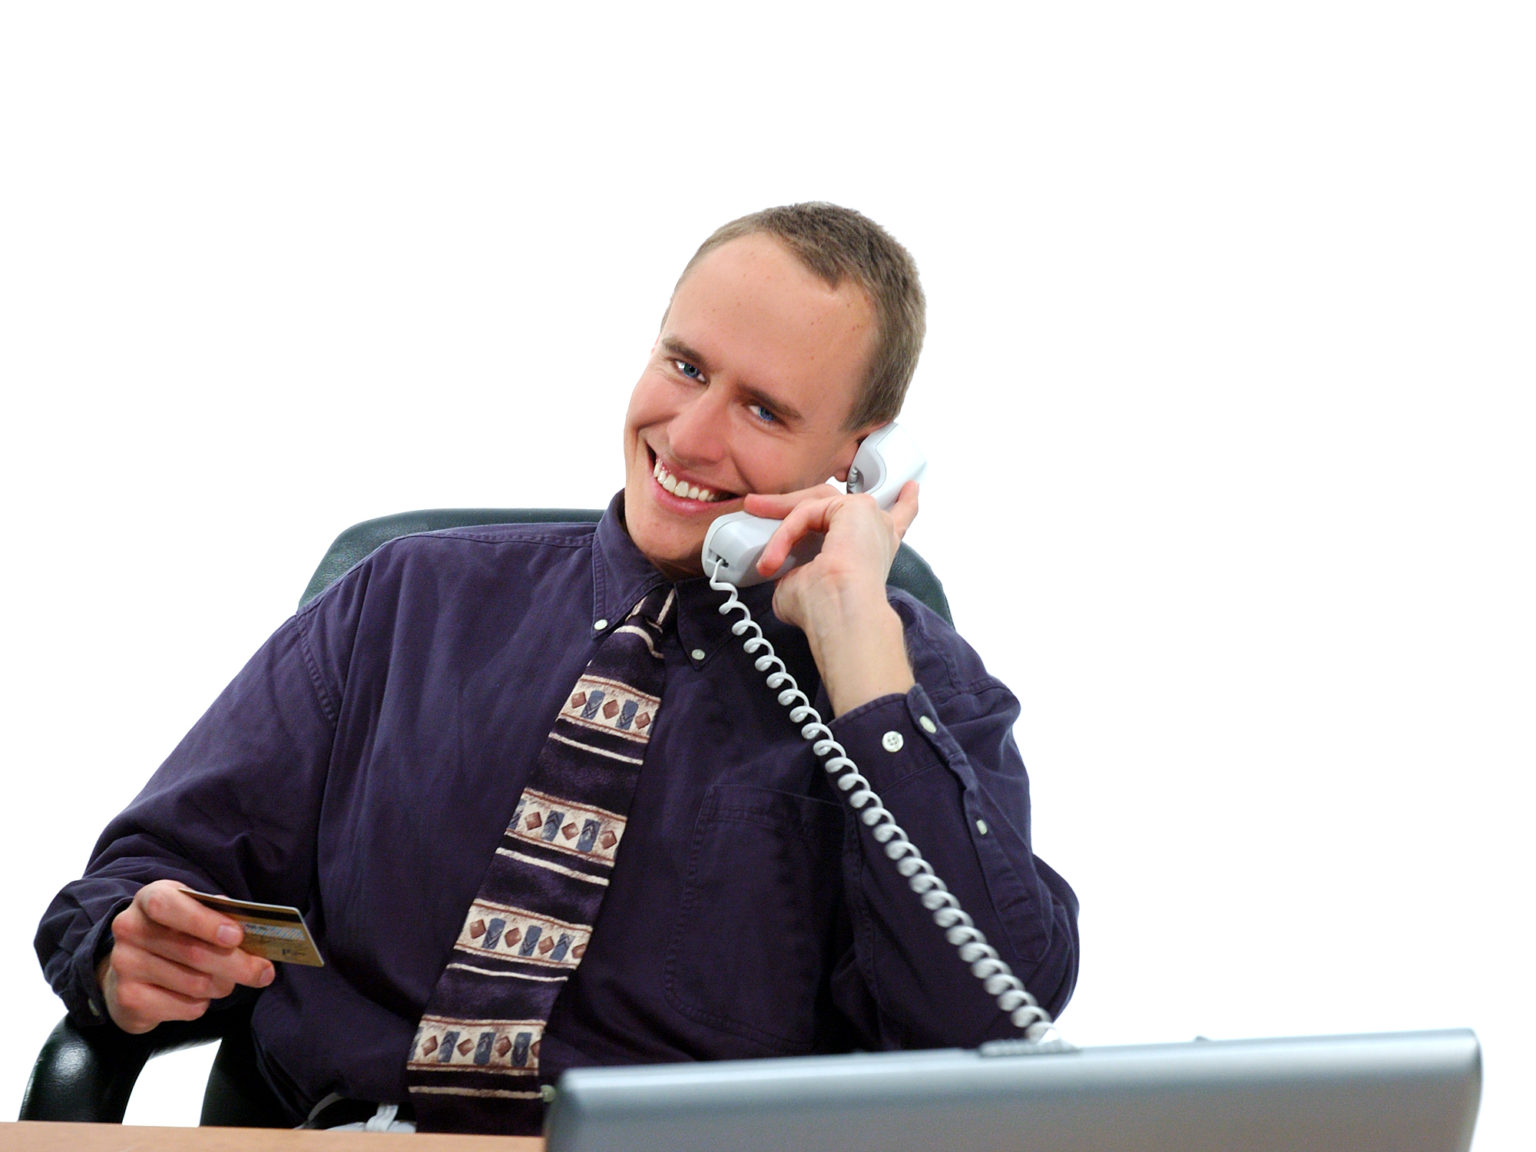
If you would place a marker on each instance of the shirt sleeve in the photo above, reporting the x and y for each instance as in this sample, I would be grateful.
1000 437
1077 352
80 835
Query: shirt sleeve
943 761
232 810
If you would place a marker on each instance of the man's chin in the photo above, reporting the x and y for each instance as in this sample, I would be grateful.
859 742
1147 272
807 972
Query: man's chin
673 544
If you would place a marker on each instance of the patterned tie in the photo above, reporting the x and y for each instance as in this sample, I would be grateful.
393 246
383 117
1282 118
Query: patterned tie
473 1065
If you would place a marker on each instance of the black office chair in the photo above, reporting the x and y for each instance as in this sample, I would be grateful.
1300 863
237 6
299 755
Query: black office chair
88 1074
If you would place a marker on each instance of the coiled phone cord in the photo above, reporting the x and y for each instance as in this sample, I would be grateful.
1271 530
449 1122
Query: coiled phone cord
986 965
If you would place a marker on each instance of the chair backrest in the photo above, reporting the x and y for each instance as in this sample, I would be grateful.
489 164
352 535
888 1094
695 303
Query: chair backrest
910 572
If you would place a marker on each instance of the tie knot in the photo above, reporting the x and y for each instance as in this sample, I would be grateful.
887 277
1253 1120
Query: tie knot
655 611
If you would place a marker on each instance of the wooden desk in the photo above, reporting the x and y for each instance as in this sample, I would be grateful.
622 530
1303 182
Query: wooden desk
35 1136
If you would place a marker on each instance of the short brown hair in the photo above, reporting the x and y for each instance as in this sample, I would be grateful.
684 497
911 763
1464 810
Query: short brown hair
836 244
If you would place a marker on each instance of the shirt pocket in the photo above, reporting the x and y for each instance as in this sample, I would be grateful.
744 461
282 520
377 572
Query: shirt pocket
755 936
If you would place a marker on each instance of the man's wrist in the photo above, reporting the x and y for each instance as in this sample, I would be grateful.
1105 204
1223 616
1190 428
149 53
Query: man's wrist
87 999
860 650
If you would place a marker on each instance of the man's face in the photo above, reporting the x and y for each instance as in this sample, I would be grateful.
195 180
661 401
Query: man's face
748 389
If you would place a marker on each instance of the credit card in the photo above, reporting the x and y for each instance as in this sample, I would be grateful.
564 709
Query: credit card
275 931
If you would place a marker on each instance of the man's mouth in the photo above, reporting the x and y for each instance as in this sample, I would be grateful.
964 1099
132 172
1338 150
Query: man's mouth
684 490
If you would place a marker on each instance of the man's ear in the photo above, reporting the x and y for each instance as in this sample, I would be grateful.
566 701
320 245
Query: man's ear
849 450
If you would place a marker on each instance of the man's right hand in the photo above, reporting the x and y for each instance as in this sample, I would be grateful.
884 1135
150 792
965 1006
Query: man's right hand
171 957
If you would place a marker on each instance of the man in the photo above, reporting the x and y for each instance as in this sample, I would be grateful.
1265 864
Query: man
366 764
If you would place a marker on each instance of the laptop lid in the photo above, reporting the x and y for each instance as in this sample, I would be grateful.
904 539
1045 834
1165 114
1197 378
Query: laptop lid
1402 1092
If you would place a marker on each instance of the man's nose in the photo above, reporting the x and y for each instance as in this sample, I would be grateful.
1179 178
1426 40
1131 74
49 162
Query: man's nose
696 433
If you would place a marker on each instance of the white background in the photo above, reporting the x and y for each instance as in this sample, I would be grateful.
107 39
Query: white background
1228 398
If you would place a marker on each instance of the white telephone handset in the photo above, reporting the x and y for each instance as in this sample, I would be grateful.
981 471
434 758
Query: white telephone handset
885 461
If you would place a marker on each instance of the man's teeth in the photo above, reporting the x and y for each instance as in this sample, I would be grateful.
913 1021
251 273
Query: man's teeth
681 488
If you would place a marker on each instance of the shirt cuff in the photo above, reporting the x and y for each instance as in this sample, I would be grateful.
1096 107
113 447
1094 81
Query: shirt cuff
87 1005
892 737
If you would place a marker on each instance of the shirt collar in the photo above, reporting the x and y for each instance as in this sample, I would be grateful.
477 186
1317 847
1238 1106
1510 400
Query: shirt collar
621 577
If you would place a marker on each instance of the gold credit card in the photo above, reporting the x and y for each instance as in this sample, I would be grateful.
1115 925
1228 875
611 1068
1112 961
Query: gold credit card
274 931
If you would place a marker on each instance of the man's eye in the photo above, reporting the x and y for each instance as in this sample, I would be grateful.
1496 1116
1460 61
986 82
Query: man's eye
689 370
762 414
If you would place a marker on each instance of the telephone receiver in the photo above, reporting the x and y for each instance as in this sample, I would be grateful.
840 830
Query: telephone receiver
887 458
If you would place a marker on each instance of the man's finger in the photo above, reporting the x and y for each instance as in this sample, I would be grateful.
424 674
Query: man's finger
170 905
904 510
168 922
136 1007
778 505
799 521
137 966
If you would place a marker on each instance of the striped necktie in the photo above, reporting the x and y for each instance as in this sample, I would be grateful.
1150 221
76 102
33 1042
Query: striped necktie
473 1065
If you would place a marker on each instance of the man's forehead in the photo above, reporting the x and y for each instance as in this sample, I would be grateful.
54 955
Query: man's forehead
760 276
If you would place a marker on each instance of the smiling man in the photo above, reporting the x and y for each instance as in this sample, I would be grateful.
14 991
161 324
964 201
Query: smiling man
749 388
756 385
509 876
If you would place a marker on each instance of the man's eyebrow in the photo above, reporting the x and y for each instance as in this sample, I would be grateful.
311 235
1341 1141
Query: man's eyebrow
672 346
675 347
783 411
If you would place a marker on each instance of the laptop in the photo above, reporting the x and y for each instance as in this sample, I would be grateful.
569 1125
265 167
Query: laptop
1395 1092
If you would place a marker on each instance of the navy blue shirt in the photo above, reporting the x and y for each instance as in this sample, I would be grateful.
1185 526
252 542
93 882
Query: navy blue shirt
364 763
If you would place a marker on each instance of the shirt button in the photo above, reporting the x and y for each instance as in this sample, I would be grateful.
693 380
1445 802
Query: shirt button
599 625
698 655
981 827
927 725
892 741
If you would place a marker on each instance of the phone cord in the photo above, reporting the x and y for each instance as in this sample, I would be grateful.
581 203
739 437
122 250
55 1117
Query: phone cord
985 964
